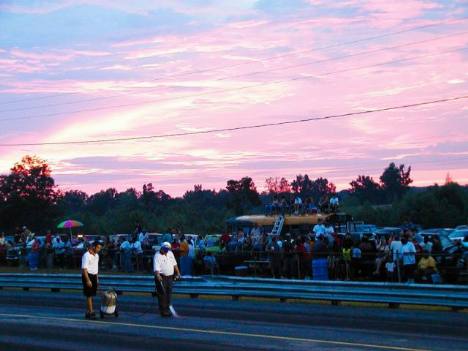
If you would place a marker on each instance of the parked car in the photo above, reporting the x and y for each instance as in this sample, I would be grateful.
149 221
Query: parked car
454 266
458 234
440 233
387 232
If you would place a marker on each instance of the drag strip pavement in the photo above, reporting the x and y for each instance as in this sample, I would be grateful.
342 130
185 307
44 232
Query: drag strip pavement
54 321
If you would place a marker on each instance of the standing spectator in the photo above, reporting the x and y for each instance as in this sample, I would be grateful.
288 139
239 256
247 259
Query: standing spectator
201 244
34 254
59 251
164 267
408 256
334 203
297 205
383 254
356 261
68 252
224 241
428 243
49 251
138 252
143 237
284 205
274 251
289 262
319 259
89 276
210 263
395 249
126 254
185 261
346 252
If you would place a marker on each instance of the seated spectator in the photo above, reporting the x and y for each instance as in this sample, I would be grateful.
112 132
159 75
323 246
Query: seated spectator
319 228
427 267
275 206
310 206
324 204
210 263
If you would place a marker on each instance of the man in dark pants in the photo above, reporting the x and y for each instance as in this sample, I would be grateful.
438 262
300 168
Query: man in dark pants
164 266
89 276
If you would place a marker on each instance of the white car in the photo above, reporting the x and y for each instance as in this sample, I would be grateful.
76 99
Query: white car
458 234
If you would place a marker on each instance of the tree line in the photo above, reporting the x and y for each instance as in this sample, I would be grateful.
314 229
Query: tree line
29 196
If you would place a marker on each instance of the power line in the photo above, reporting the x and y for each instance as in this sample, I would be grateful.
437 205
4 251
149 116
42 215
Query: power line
369 52
260 60
232 129
94 109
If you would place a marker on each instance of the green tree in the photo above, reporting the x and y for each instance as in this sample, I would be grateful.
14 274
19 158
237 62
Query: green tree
243 195
28 195
366 189
395 181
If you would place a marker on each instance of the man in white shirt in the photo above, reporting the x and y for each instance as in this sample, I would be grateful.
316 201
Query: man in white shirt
408 255
164 267
89 276
319 229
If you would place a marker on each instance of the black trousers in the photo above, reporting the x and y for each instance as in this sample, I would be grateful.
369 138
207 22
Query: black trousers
164 292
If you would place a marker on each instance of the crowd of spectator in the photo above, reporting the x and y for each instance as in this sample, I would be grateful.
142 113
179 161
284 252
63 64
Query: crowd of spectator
287 204
321 254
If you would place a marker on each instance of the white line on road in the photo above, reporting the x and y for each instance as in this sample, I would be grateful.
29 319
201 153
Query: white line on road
214 332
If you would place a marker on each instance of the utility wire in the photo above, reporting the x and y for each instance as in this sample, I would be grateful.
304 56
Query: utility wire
94 109
232 129
181 74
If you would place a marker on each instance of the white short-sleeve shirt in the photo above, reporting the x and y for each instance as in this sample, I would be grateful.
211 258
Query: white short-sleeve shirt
164 264
90 262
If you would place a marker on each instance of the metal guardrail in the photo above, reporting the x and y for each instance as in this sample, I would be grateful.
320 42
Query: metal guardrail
393 294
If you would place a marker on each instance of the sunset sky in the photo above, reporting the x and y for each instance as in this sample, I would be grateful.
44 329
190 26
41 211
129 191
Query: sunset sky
103 69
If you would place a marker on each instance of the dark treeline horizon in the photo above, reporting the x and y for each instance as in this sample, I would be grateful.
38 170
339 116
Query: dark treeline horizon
29 196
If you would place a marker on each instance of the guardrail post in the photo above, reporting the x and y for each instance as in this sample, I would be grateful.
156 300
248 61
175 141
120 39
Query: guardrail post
283 299
55 289
25 289
393 305
193 296
235 297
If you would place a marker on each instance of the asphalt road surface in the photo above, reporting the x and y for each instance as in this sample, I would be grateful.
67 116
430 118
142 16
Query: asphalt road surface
55 321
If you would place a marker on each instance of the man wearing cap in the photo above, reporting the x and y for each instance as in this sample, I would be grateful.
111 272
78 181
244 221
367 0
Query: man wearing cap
89 276
164 266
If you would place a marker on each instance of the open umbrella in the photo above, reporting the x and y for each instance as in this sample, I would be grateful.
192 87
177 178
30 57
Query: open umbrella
69 223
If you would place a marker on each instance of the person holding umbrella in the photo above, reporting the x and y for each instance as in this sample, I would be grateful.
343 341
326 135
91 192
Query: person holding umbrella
89 276
164 267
